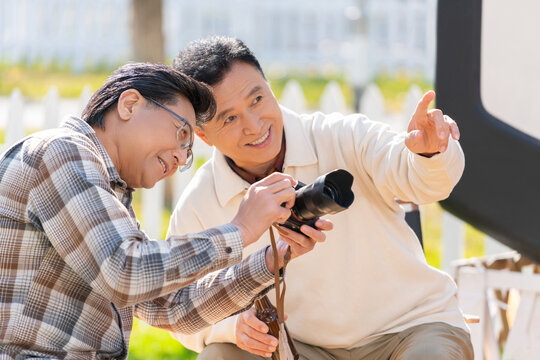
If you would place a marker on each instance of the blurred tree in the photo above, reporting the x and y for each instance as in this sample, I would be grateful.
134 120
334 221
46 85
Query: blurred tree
359 73
147 30
149 46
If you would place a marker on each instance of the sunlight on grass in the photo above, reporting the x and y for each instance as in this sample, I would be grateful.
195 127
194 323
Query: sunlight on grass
149 343
34 82
474 242
431 231
313 87
394 88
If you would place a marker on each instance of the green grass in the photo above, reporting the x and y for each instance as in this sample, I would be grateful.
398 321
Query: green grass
34 81
149 343
431 232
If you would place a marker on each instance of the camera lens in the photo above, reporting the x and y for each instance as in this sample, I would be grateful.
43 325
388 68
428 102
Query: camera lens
330 192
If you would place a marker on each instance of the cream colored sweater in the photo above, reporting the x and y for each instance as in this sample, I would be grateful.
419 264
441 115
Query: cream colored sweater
370 277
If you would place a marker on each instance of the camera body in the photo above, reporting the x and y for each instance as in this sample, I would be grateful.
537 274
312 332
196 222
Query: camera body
328 194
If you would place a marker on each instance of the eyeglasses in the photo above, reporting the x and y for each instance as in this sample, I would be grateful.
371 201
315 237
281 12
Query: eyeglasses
184 136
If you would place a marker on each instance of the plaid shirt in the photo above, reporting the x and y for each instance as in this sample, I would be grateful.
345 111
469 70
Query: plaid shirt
75 266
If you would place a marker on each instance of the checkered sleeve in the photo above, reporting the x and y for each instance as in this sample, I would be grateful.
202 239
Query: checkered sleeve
73 203
211 299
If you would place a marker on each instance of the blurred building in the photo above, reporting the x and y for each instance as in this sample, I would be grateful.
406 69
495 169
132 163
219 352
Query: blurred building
361 36
402 35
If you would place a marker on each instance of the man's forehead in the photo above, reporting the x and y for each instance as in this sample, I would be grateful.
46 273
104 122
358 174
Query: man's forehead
239 74
241 82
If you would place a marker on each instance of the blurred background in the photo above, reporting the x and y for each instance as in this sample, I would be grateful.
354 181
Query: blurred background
372 56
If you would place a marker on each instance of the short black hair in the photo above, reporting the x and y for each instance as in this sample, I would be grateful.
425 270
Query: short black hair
153 81
208 60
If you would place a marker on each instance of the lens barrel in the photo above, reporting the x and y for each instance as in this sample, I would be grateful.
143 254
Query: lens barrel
329 194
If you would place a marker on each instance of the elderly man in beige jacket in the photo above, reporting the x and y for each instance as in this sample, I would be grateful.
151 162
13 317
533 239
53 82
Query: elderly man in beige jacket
367 292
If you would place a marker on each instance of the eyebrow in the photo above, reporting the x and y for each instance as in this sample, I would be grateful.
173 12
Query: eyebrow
253 91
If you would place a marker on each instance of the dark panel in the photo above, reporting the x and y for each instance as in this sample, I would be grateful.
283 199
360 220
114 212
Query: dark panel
499 192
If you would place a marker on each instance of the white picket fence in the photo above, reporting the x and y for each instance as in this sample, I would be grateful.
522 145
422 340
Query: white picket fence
23 116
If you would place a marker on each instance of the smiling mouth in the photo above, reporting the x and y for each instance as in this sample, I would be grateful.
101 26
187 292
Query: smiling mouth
163 165
261 139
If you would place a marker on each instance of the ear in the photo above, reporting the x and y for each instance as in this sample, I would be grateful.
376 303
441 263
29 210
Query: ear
200 133
128 102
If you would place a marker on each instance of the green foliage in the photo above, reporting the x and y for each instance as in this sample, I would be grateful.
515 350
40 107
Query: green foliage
312 86
35 79
395 87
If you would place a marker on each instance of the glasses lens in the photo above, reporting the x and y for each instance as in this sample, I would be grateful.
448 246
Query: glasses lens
188 163
184 136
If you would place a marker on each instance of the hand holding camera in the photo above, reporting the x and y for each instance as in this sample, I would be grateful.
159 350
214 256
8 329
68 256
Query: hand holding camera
329 194
262 206
257 332
305 240
273 200
299 242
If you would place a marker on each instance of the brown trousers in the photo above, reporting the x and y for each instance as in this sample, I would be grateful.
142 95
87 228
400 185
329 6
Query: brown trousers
434 341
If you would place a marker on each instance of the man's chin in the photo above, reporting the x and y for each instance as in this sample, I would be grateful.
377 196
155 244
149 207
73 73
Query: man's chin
263 156
149 183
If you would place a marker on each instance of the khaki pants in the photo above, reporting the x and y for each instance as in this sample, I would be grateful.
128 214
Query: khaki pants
434 341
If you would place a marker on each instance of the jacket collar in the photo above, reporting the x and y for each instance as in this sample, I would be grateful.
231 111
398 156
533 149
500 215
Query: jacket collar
299 152
81 126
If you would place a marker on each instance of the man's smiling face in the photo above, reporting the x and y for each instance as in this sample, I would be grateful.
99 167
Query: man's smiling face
150 150
248 125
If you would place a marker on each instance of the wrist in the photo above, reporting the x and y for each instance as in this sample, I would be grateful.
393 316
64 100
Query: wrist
428 155
246 235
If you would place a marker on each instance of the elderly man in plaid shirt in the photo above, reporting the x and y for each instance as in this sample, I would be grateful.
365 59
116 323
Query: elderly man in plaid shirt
75 266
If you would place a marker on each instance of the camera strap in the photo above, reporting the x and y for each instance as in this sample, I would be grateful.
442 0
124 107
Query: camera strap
284 349
280 295
273 317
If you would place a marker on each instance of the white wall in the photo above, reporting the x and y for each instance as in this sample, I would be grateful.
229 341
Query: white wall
402 35
510 63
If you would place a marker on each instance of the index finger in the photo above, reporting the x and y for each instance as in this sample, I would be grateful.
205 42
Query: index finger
313 234
324 224
423 104
275 177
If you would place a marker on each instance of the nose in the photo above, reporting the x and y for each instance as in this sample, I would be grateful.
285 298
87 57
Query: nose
252 123
179 157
